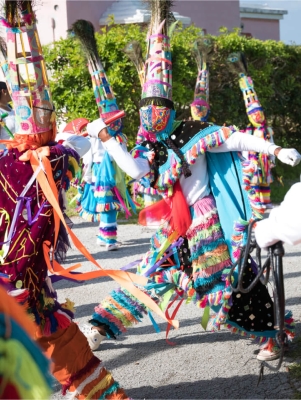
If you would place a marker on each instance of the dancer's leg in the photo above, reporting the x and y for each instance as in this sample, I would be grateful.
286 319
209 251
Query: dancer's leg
76 368
107 235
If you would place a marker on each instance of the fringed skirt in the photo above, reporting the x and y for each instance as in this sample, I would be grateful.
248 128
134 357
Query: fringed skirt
209 253
199 269
97 199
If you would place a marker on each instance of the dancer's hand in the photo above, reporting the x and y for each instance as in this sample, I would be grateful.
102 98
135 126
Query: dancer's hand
98 129
104 135
288 156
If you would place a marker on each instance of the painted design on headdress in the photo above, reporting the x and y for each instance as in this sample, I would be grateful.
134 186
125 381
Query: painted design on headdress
254 109
103 92
156 107
26 70
200 107
262 178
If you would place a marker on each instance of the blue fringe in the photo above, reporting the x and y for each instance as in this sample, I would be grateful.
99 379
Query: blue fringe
111 325
109 391
123 302
207 281
128 295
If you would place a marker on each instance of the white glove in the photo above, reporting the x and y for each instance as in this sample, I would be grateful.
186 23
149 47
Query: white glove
78 143
93 128
289 156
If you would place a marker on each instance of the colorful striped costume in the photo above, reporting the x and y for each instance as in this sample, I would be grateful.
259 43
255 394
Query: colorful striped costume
32 173
195 265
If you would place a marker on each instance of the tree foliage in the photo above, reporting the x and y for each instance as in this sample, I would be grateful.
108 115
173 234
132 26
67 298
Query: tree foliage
273 66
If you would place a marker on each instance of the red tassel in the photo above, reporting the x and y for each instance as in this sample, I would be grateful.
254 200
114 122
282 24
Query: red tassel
63 322
174 209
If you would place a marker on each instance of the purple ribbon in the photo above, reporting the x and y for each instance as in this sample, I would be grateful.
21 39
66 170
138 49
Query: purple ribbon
177 243
130 265
21 200
56 278
27 201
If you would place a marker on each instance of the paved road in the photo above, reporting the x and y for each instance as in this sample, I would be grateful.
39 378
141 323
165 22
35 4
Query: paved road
202 365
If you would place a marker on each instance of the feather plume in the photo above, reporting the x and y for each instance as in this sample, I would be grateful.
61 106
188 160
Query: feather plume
85 33
202 48
3 60
172 27
3 49
237 63
160 11
11 12
134 52
15 10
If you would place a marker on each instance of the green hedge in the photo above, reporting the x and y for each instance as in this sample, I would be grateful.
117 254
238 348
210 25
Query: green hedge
273 66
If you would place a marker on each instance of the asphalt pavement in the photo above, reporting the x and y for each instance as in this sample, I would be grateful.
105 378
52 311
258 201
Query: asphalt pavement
200 364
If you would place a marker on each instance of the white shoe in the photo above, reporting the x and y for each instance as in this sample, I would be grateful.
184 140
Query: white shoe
269 351
100 242
93 336
112 246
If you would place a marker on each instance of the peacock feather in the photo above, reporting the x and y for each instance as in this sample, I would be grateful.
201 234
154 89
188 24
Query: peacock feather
84 32
160 11
237 63
134 52
201 50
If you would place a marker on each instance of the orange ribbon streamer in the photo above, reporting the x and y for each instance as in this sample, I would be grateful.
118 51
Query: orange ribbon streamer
125 279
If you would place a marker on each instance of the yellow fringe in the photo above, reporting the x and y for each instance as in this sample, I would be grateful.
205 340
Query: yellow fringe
103 384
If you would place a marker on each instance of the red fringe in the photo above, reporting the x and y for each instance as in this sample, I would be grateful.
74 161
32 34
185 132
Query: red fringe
62 320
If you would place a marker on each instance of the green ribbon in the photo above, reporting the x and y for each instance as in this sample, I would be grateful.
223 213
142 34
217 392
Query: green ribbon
205 317
166 298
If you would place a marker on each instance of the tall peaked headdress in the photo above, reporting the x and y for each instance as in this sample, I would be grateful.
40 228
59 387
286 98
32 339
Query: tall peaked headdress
156 106
103 92
26 70
200 107
254 109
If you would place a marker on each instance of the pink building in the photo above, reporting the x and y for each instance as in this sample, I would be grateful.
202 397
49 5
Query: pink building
262 23
56 16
